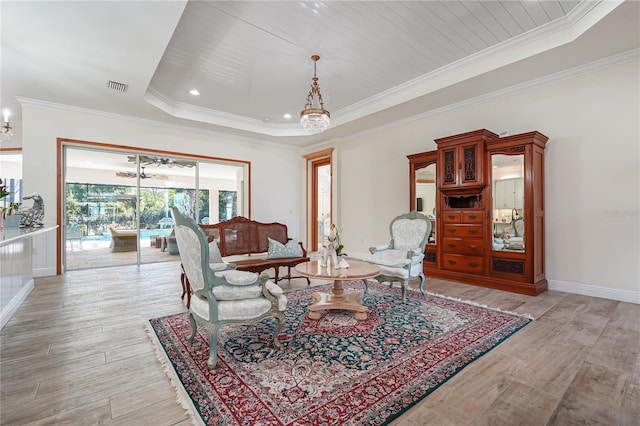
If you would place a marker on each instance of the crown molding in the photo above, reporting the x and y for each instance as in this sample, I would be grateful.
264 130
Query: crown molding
220 118
538 40
144 121
594 66
612 61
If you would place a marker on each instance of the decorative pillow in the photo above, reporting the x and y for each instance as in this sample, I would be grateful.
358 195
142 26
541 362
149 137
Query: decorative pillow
392 258
214 253
238 277
278 250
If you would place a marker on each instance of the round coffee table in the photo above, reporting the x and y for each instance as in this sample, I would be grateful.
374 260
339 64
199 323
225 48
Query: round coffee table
357 270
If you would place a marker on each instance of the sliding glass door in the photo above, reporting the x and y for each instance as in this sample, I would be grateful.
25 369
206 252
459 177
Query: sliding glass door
117 203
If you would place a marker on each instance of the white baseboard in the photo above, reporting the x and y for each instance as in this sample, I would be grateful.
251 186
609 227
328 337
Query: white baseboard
44 272
595 291
15 303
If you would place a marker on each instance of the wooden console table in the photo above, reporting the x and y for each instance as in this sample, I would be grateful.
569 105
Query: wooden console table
357 270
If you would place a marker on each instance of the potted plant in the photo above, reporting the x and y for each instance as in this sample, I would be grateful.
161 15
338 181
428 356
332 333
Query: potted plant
333 248
339 246
10 216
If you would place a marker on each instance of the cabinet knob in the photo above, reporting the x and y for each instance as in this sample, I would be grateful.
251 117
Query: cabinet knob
452 262
452 230
451 245
451 216
473 247
473 231
473 264
472 216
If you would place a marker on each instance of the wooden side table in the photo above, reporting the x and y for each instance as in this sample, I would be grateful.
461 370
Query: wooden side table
357 270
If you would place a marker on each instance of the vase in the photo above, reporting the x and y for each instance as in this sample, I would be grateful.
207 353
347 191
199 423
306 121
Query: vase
12 221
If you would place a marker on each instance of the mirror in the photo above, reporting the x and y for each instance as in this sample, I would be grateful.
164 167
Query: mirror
507 189
425 184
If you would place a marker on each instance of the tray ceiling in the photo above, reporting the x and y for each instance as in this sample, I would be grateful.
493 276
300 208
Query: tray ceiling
250 60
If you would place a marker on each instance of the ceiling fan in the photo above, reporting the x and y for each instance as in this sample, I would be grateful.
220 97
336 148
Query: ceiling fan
148 160
143 175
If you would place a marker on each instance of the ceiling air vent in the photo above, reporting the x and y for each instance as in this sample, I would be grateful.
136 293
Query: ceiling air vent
120 87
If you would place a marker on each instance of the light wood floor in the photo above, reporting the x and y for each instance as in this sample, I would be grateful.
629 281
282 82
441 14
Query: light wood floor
76 353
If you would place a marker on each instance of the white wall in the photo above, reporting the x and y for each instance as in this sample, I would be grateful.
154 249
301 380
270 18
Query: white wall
592 169
276 190
592 174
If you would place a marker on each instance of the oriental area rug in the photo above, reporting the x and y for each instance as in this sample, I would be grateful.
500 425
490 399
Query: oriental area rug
331 371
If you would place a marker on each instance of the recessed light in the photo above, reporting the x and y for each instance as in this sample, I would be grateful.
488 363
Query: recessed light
194 92
287 116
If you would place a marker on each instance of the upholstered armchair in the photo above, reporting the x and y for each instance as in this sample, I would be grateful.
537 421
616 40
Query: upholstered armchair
216 263
401 259
226 296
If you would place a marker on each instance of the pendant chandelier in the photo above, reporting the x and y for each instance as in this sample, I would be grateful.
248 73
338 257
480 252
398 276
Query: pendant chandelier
314 118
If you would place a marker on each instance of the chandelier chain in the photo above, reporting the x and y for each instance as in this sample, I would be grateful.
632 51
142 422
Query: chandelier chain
315 119
315 90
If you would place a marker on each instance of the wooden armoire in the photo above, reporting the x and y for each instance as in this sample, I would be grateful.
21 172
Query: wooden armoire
485 195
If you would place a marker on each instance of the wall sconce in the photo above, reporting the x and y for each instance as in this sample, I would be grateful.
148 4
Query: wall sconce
7 131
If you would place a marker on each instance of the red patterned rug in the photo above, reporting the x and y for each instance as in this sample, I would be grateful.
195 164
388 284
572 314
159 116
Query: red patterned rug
334 370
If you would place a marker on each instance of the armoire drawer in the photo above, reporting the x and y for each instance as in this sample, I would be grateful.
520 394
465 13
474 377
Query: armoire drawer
469 246
451 217
462 231
472 217
456 262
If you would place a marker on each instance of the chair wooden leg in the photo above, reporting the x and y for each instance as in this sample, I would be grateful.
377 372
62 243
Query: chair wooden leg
422 280
276 341
213 344
194 327
182 281
186 286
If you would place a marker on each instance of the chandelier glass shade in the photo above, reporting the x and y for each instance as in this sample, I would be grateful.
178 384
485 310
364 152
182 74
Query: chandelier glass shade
314 118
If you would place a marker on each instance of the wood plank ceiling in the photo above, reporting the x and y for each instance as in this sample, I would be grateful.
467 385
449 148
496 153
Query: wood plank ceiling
251 59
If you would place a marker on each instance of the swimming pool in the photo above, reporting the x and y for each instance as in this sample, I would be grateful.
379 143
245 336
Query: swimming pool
144 233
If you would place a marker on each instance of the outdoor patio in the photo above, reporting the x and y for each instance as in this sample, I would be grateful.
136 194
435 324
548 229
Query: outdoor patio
88 254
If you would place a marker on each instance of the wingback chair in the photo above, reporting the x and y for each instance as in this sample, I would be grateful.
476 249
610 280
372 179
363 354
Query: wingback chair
225 296
401 259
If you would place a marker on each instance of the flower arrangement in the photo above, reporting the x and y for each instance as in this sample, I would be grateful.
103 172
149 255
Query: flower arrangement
12 207
334 240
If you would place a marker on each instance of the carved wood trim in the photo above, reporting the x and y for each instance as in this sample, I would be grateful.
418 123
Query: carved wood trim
508 266
510 150
470 163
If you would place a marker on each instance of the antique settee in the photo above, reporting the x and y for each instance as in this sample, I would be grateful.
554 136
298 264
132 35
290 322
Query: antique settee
256 246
